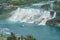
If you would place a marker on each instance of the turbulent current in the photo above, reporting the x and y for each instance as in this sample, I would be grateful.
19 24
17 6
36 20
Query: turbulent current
31 15
23 21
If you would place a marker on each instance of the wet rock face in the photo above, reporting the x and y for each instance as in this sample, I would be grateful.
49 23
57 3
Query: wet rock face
1 9
58 14
52 13
55 20
51 22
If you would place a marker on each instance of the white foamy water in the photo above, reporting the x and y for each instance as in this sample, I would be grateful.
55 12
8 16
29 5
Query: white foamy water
33 15
30 15
4 31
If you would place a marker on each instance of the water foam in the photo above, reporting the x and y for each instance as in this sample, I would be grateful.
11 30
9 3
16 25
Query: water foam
31 15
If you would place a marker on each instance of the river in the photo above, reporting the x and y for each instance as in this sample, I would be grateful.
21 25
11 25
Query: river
38 31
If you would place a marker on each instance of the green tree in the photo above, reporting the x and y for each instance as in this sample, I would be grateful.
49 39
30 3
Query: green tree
30 37
46 6
11 37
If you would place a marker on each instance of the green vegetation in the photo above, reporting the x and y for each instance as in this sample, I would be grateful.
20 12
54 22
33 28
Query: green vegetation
46 6
30 37
11 37
9 5
56 8
14 37
20 2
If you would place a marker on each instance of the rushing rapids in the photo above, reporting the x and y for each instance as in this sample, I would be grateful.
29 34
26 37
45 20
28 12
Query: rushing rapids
31 15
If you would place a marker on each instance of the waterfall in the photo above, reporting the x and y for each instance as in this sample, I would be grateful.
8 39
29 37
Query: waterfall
31 15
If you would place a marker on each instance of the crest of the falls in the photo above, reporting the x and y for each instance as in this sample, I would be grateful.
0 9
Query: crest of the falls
31 15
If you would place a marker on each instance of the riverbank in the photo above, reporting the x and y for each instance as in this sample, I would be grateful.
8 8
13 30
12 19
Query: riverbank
14 37
53 22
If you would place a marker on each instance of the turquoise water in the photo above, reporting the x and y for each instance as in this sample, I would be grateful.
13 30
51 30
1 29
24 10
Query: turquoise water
39 32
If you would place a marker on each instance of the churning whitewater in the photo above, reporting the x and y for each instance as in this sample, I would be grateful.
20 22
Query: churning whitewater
31 15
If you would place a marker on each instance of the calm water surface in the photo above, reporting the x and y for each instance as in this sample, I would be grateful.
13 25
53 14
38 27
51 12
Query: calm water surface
39 32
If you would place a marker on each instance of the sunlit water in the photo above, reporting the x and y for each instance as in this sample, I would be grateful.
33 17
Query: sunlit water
39 32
